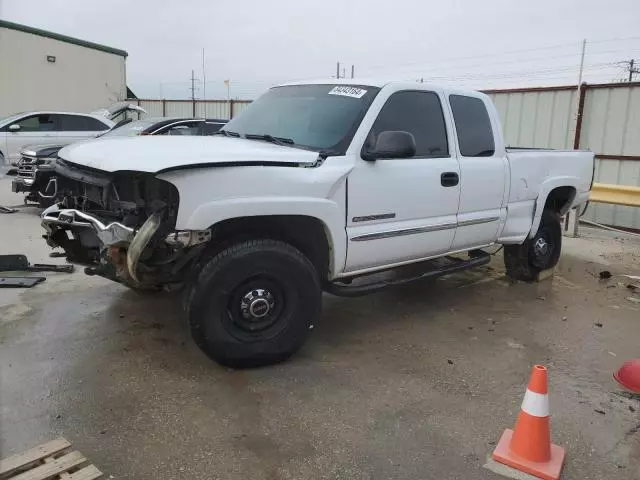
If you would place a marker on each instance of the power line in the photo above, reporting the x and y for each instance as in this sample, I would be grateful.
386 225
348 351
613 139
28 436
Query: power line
630 68
576 45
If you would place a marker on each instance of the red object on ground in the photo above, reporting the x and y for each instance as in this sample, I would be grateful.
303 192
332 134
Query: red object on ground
628 375
528 446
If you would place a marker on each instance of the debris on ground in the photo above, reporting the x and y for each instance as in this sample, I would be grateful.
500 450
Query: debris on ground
20 282
19 263
450 362
598 324
634 299
601 412
564 319
7 209
605 274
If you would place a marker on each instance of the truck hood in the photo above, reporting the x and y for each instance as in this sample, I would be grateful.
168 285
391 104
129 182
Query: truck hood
155 154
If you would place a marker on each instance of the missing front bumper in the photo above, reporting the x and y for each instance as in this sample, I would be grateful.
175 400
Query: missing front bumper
85 237
114 250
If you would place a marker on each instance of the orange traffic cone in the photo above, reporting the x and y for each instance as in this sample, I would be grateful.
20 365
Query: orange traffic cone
528 446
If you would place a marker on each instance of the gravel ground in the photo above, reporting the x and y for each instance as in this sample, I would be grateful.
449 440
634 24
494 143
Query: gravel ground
411 383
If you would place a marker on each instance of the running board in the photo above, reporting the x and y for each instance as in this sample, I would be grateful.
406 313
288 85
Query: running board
429 269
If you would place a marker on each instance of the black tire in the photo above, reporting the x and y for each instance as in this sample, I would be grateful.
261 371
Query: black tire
526 261
254 303
45 202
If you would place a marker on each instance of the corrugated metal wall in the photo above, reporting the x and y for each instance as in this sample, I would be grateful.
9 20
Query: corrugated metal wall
533 117
541 119
546 118
184 108
611 126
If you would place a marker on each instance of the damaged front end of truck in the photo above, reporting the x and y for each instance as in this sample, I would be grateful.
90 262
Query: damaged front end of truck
121 225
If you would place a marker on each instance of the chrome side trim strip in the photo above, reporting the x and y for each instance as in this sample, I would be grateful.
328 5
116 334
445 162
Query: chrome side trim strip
379 216
478 221
404 231
414 230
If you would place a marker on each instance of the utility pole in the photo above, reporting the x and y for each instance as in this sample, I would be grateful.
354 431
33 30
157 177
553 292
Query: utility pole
338 70
204 81
353 70
630 66
193 91
579 87
193 85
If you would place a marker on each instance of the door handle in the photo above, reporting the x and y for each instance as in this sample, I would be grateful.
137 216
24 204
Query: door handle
449 179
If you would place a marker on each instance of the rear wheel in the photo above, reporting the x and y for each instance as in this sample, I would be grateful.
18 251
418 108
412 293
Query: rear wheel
526 261
254 303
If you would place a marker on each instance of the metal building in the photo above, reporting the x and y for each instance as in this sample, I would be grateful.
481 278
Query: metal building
41 70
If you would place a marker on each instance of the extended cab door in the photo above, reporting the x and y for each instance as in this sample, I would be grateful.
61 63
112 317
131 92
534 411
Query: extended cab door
400 210
484 171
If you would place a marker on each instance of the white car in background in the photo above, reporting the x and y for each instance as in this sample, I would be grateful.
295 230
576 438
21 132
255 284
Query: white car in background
33 128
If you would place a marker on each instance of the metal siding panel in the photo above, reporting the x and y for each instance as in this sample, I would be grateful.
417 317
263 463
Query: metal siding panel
631 144
566 118
628 174
217 110
239 107
500 102
594 120
153 108
179 109
512 123
528 115
616 118
608 172
544 119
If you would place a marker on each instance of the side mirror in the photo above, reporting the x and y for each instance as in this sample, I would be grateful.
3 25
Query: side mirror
14 128
391 144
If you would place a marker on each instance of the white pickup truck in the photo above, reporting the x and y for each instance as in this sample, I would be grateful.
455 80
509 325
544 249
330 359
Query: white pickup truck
316 186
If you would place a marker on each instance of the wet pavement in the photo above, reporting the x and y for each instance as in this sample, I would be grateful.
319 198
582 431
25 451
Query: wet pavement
411 383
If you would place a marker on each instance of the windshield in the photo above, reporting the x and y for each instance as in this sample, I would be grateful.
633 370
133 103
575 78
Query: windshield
130 129
317 117
10 118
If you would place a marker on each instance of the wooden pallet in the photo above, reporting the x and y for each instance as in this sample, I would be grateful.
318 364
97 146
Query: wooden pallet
51 461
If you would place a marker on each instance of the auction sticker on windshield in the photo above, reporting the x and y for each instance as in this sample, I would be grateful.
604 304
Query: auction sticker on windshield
347 91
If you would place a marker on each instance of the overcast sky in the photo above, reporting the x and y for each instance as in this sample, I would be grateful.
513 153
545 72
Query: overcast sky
257 43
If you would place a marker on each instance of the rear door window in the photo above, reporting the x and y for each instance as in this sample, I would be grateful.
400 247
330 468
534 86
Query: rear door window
80 123
419 113
475 135
211 127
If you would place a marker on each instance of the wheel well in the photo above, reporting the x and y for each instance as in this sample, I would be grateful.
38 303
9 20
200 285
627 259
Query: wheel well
559 199
307 234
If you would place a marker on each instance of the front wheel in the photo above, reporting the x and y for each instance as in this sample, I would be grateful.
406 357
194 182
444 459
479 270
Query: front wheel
526 261
254 303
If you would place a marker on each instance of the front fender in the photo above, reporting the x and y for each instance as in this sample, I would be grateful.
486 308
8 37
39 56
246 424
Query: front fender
327 211
545 189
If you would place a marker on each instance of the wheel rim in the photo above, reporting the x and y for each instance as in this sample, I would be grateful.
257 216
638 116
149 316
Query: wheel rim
543 248
254 308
